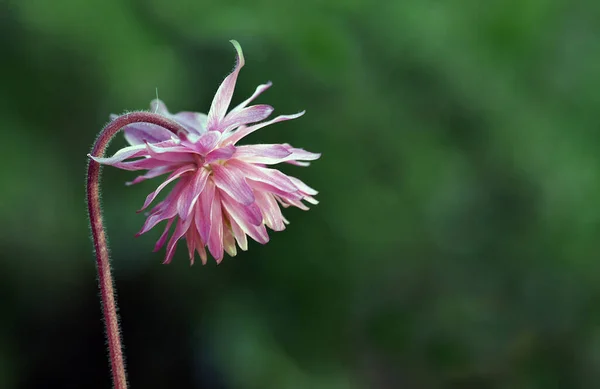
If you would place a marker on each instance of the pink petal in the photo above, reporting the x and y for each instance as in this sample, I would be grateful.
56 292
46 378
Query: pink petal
295 203
239 234
311 200
237 213
264 187
147 164
248 115
193 241
155 218
222 98
242 132
215 239
272 154
201 250
188 197
138 133
221 153
251 213
303 155
195 122
267 154
170 154
260 89
175 175
159 107
166 209
229 241
163 238
121 155
136 151
302 186
207 142
202 216
152 173
297 163
272 177
180 230
232 181
270 211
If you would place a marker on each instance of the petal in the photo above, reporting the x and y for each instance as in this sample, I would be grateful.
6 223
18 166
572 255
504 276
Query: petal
232 181
311 200
264 187
194 242
176 153
222 98
270 210
272 177
189 197
147 164
152 173
202 215
239 234
251 213
267 154
192 239
237 214
295 203
248 115
242 132
122 154
159 107
206 142
166 209
180 230
201 250
163 238
220 153
302 186
259 89
296 163
215 238
195 122
139 133
303 155
273 154
175 175
229 241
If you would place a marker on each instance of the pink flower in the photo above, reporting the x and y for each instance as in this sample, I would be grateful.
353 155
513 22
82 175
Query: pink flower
222 191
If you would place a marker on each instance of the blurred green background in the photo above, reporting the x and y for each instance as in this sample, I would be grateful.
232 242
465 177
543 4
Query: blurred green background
456 242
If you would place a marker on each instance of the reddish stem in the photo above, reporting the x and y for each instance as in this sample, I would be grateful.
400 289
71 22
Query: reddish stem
107 290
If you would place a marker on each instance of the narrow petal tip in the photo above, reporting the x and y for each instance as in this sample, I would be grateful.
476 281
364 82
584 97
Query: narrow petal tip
238 48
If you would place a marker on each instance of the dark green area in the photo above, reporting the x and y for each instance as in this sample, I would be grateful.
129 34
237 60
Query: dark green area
456 244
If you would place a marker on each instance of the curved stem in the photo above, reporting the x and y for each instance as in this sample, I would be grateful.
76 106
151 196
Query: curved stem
107 291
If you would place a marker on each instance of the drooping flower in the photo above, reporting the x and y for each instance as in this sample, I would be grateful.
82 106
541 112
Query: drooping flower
223 192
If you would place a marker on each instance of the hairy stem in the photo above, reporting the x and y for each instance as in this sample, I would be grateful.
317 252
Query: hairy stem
107 291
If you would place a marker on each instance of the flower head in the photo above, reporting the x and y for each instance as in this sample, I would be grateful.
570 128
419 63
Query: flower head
223 192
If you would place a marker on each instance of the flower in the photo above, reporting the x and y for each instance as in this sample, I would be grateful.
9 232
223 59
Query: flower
223 191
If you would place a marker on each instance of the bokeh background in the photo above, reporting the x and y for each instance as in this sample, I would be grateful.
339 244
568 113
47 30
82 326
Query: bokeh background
456 244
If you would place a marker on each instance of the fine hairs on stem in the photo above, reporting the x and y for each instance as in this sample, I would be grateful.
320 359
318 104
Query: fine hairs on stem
107 291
